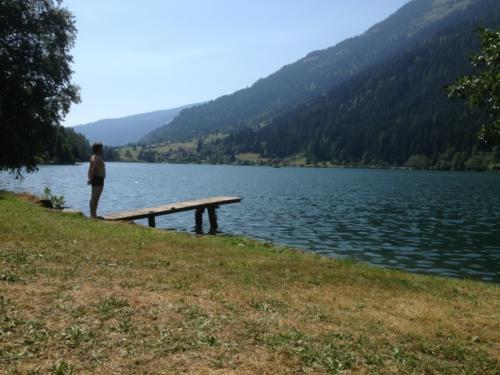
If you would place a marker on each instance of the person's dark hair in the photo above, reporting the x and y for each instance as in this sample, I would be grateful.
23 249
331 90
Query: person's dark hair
96 147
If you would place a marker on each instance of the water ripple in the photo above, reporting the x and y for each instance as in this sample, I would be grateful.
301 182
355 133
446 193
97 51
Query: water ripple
430 222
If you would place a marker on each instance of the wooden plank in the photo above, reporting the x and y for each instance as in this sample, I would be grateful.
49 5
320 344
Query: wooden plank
172 208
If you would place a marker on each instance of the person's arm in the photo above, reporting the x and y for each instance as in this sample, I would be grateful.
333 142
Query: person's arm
90 173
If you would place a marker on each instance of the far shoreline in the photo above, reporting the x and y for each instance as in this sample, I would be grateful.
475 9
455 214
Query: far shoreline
308 166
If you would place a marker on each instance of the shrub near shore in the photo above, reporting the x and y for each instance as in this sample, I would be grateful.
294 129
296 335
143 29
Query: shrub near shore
81 296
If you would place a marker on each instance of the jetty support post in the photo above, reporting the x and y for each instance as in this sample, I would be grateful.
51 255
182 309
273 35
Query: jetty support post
212 217
198 218
151 220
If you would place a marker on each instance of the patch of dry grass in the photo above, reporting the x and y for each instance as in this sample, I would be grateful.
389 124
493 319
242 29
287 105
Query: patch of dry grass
81 296
249 156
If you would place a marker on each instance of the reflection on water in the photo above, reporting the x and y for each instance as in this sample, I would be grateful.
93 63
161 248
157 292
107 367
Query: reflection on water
434 222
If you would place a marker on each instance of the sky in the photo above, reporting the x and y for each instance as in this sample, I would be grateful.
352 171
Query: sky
138 56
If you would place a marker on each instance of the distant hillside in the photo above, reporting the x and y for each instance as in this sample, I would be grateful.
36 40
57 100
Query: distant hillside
120 131
393 113
317 73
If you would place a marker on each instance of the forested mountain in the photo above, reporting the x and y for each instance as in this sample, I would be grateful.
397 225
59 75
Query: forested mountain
318 72
392 113
120 131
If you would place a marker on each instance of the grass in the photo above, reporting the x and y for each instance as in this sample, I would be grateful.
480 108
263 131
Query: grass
172 147
133 153
82 296
127 153
248 156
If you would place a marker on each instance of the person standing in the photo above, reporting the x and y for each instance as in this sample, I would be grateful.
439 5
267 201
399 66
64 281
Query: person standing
96 176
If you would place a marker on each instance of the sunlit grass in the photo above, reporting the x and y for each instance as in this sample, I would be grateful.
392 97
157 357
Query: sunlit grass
88 296
248 156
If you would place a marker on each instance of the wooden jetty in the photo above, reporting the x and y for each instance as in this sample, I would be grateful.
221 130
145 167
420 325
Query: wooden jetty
198 205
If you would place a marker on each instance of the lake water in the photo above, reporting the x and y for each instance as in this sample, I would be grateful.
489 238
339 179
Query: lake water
445 223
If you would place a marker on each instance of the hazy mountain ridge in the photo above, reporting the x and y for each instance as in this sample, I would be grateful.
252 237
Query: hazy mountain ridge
317 73
128 129
389 112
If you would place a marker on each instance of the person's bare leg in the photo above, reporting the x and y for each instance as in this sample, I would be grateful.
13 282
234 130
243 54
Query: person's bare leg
94 200
91 205
99 192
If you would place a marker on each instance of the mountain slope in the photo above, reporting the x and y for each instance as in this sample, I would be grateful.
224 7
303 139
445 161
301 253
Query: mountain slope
120 131
389 112
315 74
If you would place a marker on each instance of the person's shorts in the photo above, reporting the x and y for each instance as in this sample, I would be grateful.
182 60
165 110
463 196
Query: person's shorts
97 181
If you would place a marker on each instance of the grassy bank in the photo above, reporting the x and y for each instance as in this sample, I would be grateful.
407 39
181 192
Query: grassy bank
82 296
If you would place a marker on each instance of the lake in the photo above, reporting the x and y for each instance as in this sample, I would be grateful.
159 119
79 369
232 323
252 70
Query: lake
445 223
